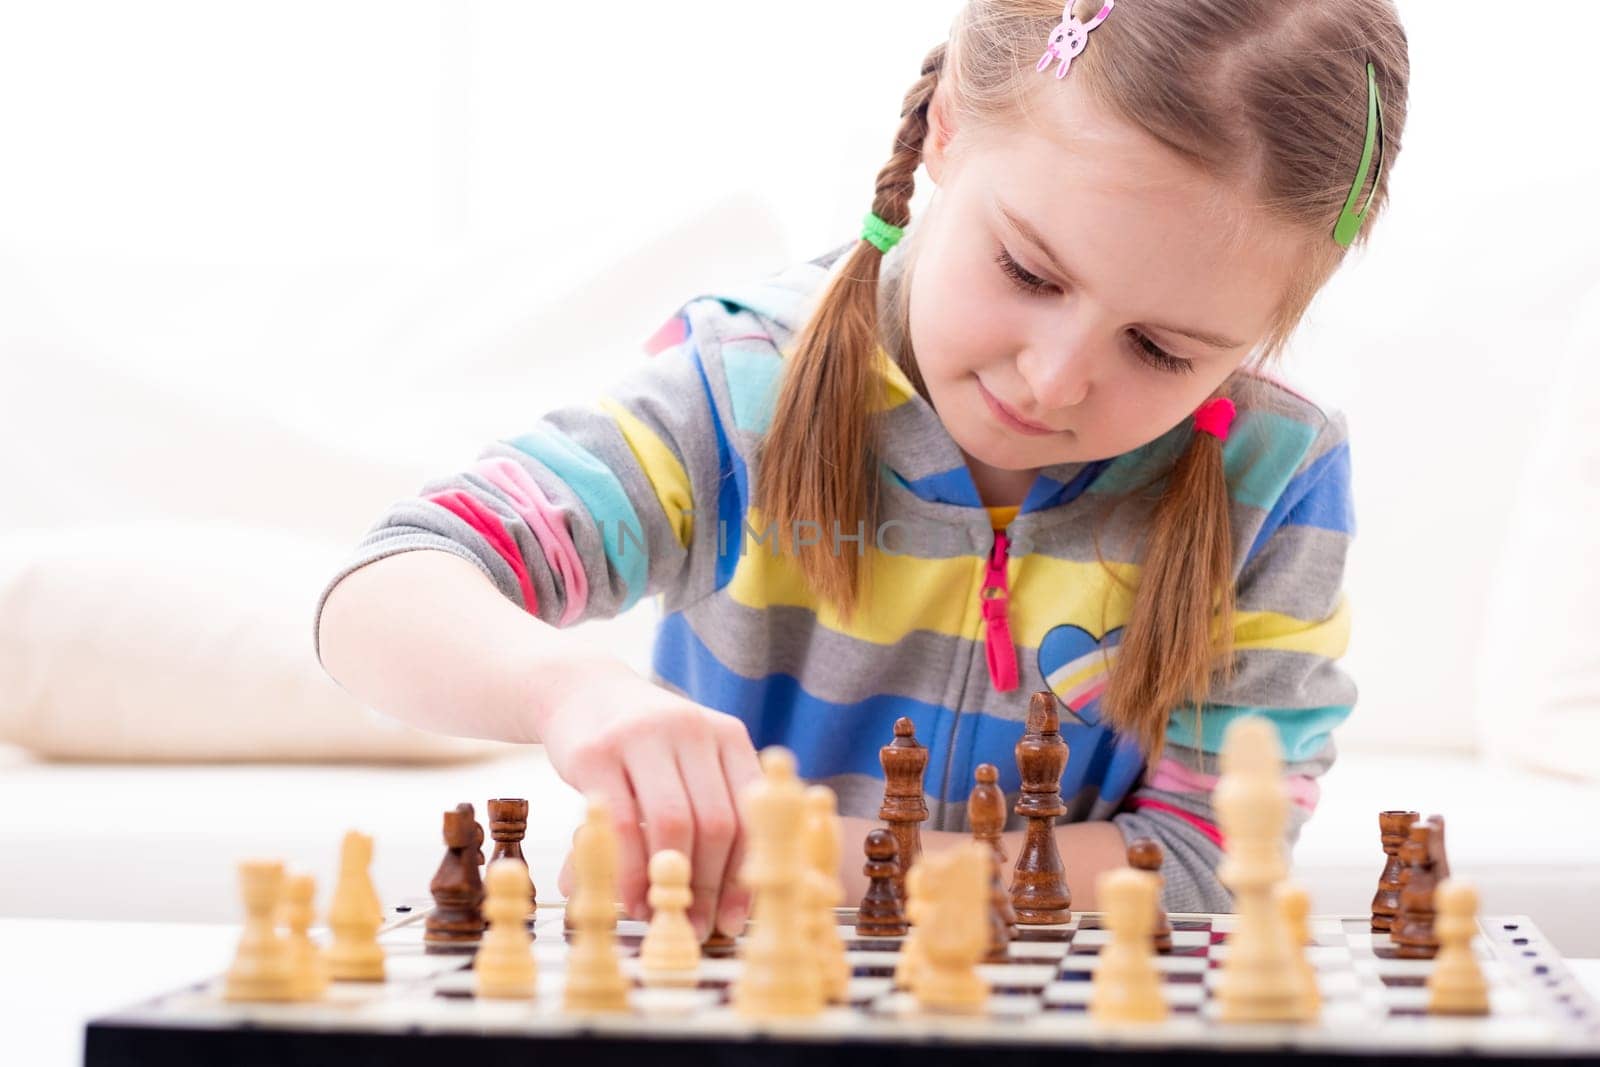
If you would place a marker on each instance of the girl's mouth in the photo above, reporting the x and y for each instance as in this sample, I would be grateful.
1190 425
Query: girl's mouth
1010 418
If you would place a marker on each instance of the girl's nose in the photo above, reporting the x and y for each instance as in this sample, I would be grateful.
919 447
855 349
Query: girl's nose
1058 375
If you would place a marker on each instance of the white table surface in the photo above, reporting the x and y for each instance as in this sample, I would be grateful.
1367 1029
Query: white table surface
57 974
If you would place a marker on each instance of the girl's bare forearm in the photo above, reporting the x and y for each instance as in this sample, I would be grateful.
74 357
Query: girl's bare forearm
425 637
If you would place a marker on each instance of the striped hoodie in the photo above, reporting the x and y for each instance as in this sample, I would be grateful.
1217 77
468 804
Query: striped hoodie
647 493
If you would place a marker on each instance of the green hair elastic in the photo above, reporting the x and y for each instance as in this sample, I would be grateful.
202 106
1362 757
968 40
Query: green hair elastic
1350 220
882 235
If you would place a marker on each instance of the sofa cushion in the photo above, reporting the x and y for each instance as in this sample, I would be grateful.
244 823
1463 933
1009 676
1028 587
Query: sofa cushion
180 641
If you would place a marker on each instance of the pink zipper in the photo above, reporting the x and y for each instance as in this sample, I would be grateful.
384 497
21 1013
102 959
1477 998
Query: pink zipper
994 598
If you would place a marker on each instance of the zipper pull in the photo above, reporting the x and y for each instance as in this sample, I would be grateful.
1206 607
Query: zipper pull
999 650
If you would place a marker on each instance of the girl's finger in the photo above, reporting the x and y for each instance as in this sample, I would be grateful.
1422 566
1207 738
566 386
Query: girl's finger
740 769
564 879
715 827
668 820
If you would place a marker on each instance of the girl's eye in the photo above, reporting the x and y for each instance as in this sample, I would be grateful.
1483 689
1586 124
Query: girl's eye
1157 356
1025 281
1145 348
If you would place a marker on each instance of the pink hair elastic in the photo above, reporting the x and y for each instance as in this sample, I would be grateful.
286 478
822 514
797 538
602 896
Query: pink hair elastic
1069 39
1215 417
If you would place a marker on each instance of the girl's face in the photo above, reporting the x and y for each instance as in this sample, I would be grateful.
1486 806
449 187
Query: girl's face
1091 285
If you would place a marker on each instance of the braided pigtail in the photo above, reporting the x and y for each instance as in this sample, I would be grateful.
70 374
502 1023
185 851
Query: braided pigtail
1179 633
818 466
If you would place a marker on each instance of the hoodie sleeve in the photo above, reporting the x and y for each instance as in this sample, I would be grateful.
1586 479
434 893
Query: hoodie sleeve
593 507
1292 625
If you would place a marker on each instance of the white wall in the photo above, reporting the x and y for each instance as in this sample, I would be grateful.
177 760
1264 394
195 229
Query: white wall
283 249
1440 344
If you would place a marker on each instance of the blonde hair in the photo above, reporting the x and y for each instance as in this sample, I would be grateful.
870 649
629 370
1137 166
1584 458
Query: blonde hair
1265 95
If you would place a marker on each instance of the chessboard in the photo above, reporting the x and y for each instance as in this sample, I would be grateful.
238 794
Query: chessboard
425 1012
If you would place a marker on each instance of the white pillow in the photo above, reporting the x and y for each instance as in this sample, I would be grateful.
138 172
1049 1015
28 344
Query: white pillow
1538 701
181 641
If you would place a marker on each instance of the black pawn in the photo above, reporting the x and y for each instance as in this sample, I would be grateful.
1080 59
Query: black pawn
1146 855
883 910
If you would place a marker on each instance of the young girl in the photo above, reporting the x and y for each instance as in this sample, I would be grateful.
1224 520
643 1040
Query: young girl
1027 442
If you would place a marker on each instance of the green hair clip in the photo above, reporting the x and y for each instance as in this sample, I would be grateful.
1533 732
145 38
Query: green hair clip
1350 220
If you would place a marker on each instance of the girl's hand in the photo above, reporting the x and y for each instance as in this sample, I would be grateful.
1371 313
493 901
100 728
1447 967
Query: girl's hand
671 771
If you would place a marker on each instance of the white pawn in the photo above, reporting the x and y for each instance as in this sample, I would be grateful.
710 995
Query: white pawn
260 969
308 964
1294 905
670 954
1127 986
504 968
1457 985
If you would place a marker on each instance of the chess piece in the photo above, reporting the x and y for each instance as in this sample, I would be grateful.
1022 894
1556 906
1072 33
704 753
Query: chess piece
470 816
477 860
779 978
504 968
1126 986
594 977
456 922
508 823
670 954
1393 828
718 943
908 966
1146 855
261 965
1294 907
355 915
308 965
1441 862
824 890
1253 809
1412 929
986 812
954 935
882 911
904 761
1457 985
1039 893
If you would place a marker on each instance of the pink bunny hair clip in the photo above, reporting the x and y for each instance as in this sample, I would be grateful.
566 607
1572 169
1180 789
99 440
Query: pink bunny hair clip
1070 38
